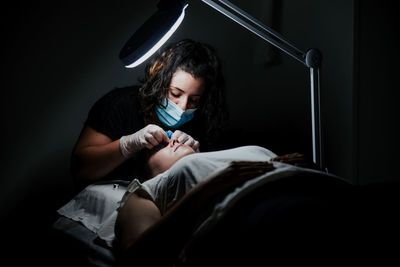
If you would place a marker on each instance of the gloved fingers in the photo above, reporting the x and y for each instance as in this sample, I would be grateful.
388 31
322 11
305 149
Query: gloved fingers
185 139
160 136
150 141
153 129
176 135
154 135
149 137
182 137
154 140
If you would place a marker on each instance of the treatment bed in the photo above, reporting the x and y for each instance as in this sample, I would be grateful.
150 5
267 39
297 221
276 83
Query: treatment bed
289 214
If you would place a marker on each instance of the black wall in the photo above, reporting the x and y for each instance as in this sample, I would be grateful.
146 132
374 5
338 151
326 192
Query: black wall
376 86
59 57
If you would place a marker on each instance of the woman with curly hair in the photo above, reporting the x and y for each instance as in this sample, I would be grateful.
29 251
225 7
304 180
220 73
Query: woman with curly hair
182 91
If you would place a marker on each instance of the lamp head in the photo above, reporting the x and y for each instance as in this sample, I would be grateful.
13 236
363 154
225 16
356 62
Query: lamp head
313 58
153 33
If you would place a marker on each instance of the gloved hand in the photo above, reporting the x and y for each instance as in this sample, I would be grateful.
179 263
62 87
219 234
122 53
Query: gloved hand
150 136
186 139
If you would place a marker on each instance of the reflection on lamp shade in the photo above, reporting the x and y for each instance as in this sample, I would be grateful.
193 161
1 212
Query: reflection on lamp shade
152 35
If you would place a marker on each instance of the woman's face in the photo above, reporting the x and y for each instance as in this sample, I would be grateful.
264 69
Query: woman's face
185 90
164 158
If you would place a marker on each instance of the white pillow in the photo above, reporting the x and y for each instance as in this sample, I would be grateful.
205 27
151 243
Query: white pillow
94 205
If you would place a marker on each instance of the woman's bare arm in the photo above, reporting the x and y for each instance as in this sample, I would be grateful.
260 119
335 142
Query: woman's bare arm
95 155
134 218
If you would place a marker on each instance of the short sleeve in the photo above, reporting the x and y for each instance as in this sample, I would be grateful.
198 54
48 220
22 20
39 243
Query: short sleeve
116 113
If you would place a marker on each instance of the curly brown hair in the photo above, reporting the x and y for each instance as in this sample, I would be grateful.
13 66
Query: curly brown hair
201 61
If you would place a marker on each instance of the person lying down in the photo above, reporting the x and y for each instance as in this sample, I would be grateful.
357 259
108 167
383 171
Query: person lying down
157 214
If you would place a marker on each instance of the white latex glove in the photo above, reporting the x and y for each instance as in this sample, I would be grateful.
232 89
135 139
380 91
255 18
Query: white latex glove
150 136
186 139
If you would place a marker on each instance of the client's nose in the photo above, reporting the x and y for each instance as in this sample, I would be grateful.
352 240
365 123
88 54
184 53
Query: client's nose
173 142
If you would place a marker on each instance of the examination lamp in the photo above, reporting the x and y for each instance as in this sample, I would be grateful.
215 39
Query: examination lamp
163 23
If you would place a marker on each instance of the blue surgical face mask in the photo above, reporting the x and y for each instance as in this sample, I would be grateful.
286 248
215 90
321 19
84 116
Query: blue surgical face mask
172 115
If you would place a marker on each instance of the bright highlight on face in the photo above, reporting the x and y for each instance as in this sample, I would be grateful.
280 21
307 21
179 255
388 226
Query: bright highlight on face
185 90
163 159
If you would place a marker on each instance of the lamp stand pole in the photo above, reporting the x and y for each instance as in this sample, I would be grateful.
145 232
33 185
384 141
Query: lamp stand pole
311 59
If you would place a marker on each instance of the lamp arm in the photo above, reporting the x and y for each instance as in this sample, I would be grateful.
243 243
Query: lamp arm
316 128
250 23
311 59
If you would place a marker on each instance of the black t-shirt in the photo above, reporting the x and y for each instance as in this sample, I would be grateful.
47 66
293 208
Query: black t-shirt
117 114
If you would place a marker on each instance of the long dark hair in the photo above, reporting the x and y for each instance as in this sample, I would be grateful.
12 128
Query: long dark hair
201 61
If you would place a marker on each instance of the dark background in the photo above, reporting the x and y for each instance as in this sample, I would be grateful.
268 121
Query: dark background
58 58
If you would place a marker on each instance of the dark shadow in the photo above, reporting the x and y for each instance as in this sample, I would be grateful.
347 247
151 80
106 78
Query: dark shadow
28 236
